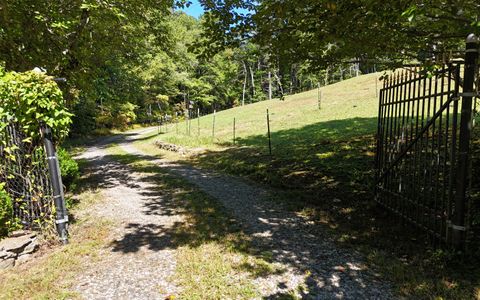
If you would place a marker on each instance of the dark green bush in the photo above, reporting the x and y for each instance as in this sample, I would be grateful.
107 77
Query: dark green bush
6 211
68 167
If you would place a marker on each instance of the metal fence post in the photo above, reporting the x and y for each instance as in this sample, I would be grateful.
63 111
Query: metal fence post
213 126
269 135
198 121
61 219
458 225
234 130
319 97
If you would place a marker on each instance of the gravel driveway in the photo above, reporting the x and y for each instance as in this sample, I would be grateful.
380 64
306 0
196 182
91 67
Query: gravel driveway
313 264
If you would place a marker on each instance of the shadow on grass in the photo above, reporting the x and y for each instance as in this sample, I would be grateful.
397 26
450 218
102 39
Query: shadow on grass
328 180
329 271
326 171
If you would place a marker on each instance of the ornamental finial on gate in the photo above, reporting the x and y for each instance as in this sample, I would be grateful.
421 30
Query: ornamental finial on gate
472 38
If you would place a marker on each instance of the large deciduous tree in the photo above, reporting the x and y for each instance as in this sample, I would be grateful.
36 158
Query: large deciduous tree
328 31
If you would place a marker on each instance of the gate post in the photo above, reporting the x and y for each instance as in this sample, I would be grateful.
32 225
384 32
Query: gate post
458 226
61 219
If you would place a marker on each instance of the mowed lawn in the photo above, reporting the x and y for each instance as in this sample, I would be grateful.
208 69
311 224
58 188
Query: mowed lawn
322 165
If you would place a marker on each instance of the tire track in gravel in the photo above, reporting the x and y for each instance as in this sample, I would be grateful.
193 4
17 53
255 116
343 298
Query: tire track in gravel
309 255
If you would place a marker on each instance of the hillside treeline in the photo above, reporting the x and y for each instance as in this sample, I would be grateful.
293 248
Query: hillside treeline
143 61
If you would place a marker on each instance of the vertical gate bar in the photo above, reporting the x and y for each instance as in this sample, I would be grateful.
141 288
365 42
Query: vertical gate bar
421 151
446 156
426 151
392 184
392 180
397 176
389 179
384 132
458 227
417 152
384 124
405 135
383 117
398 105
453 152
438 203
410 135
390 120
387 128
378 139
431 183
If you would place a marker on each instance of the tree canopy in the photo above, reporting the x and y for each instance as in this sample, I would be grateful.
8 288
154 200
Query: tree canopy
325 31
142 60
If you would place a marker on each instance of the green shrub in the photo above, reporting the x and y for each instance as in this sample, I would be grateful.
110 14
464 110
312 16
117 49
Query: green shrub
68 167
30 99
6 211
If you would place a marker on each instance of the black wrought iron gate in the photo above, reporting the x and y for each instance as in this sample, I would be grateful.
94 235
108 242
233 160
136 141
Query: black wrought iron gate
423 140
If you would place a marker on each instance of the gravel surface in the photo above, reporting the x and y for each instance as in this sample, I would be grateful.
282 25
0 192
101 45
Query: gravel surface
311 263
139 260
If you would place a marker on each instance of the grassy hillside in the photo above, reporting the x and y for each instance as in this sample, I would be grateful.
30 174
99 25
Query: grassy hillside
348 100
322 165
311 146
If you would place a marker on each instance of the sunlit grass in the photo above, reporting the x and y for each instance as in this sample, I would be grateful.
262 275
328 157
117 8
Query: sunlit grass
52 275
355 98
322 163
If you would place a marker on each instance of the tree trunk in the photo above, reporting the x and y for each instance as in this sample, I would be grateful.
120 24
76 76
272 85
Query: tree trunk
253 81
279 82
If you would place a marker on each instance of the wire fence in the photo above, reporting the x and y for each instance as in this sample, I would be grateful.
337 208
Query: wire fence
425 191
24 170
207 128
